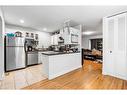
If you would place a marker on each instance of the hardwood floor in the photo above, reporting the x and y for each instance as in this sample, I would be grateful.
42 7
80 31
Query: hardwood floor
88 77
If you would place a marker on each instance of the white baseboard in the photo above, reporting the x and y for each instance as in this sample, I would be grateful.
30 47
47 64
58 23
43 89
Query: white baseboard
114 75
63 72
2 77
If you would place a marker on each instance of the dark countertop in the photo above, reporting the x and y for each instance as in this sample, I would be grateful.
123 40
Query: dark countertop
31 52
50 53
36 51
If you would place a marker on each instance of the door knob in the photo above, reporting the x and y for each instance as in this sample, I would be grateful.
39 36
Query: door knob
110 51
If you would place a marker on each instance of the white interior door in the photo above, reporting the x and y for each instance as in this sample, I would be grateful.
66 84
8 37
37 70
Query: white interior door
120 46
115 63
109 45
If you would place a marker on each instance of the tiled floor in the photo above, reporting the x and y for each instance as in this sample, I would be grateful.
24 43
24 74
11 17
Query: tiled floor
22 78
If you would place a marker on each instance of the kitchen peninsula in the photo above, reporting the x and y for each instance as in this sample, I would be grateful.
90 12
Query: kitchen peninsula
65 55
59 63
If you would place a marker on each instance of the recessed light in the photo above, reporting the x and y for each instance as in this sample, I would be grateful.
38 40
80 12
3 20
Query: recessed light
44 29
88 32
21 21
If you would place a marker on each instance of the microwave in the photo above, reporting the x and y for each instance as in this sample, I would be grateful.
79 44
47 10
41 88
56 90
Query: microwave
74 38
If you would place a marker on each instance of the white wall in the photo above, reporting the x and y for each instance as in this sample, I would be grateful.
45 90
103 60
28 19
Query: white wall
99 29
1 46
86 40
44 38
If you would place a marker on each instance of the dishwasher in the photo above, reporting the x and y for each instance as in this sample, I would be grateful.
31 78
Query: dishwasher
32 58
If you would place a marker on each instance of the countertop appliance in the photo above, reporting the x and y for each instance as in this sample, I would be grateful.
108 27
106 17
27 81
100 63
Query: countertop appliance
14 53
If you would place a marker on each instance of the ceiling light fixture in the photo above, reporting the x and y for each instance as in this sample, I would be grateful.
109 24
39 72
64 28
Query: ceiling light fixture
44 29
21 21
88 32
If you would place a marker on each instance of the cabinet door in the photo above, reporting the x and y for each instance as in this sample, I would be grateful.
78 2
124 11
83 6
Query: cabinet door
39 57
120 46
66 36
52 40
56 39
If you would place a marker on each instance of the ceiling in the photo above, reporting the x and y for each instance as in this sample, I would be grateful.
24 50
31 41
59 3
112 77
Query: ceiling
52 17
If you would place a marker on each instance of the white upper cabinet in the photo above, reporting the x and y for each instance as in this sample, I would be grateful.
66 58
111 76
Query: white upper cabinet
54 39
71 36
66 36
115 46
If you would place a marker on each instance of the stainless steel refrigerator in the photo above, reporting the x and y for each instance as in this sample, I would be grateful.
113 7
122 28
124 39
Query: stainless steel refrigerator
15 53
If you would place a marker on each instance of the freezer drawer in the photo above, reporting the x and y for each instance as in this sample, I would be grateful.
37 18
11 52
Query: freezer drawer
32 58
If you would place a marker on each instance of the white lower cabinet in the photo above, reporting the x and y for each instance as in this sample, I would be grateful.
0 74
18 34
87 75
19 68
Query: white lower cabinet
39 57
115 46
57 65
